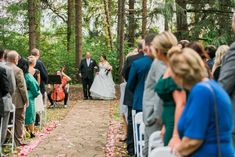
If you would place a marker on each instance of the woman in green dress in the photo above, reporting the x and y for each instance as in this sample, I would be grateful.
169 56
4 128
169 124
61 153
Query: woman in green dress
173 96
33 92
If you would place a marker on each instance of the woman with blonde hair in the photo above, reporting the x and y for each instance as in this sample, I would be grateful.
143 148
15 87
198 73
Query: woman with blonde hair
219 54
172 95
205 126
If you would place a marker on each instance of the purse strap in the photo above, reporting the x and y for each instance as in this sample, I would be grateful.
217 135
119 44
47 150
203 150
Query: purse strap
216 120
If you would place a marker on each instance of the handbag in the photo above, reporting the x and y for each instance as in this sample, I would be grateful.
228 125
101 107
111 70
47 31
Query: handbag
216 120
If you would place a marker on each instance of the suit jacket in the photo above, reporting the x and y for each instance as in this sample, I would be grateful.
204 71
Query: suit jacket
43 73
128 95
88 71
138 73
20 96
4 88
227 74
10 77
152 104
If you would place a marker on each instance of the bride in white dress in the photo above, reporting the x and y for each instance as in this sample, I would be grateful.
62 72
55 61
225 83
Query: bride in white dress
103 86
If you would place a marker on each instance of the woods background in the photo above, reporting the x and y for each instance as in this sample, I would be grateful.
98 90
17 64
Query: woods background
64 30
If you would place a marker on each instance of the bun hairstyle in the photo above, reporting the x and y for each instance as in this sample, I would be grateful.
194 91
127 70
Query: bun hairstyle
187 65
164 41
174 50
31 60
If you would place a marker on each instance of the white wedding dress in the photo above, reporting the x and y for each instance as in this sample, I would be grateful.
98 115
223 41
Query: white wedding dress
103 86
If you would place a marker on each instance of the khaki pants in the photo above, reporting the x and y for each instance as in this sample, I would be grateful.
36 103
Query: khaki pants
19 125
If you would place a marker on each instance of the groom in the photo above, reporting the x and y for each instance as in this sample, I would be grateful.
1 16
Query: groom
86 71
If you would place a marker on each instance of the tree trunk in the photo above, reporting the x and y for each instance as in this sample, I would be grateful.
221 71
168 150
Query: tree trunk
182 25
32 27
37 5
131 29
108 24
144 17
120 33
70 24
78 28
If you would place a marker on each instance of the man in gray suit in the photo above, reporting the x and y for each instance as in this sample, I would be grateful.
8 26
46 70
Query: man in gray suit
8 106
152 104
20 96
227 73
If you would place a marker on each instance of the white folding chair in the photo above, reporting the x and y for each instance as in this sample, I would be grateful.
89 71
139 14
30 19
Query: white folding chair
155 140
162 152
141 135
134 132
11 130
1 136
137 133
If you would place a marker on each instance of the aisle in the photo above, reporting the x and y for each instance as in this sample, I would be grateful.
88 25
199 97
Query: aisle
82 133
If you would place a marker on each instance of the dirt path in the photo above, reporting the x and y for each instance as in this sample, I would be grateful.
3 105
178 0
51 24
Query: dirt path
82 133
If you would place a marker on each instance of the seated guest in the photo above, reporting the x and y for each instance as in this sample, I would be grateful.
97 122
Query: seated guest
33 92
205 126
60 92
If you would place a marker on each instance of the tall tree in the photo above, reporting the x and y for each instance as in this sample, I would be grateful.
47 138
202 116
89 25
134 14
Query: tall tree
131 19
32 32
70 24
108 23
144 17
120 35
182 25
78 34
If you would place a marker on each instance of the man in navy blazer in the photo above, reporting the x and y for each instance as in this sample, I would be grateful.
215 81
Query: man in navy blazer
138 73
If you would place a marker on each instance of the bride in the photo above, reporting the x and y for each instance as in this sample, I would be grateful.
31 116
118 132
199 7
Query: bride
103 85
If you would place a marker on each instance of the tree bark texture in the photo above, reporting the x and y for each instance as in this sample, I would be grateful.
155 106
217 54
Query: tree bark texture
108 24
182 25
32 32
70 24
131 29
78 34
120 35
144 17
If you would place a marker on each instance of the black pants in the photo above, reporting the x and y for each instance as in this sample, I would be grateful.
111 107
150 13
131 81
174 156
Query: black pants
86 84
130 136
65 98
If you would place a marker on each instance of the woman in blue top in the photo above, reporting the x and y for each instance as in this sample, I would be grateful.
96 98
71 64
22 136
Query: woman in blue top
197 124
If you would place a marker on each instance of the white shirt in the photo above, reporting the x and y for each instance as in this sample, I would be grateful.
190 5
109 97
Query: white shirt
88 61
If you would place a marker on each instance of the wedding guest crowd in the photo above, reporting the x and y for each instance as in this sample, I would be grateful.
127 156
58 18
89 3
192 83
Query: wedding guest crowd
185 91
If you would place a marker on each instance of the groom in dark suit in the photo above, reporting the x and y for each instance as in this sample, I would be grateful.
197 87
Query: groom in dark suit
86 71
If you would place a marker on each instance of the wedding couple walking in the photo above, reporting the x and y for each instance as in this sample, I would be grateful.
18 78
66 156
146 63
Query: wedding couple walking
100 87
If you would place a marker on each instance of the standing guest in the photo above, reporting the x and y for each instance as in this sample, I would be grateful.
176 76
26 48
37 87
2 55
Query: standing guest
218 58
138 73
152 104
210 52
227 74
19 97
183 43
35 72
198 47
12 87
4 90
207 117
173 96
86 71
128 96
43 77
33 92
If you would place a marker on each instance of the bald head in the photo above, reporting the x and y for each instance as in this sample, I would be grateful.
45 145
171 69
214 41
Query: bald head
13 57
88 55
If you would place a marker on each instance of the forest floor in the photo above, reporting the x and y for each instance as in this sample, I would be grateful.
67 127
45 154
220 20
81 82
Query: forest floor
87 128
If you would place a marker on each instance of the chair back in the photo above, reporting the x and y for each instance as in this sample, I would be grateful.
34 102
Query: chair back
162 152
